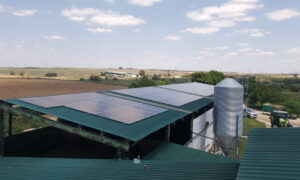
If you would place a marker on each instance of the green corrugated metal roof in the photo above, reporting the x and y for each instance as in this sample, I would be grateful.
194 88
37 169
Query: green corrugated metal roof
134 132
80 169
175 152
271 154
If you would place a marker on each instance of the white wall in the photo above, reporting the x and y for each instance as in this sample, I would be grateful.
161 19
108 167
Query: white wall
200 142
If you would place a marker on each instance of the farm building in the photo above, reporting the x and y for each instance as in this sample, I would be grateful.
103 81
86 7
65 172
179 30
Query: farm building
127 123
121 74
159 132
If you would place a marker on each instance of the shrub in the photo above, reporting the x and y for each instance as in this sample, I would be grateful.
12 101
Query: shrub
51 74
143 82
142 73
211 77
21 73
95 78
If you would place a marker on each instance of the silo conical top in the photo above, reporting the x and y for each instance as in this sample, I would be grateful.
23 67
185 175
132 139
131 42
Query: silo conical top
229 83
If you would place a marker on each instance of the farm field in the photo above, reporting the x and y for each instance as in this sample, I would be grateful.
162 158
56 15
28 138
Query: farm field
16 88
77 73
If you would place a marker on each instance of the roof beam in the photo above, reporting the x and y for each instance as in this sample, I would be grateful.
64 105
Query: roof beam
124 146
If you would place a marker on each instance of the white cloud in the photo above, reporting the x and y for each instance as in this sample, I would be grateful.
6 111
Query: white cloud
245 49
55 37
252 32
137 30
232 54
173 38
294 50
110 1
99 30
232 9
222 23
282 14
205 53
202 30
225 15
222 47
2 8
143 3
2 45
217 48
242 44
103 17
258 52
26 12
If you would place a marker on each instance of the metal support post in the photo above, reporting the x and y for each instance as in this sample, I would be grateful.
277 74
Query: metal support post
237 137
168 129
10 117
1 132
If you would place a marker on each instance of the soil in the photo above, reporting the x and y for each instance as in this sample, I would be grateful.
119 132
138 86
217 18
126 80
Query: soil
17 88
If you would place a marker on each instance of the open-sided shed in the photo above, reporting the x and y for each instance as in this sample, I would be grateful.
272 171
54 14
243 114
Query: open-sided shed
117 119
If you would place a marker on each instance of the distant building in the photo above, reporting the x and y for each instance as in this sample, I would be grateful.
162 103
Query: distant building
115 74
121 74
134 75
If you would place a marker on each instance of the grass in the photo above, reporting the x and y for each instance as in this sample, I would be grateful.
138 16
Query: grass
20 124
251 123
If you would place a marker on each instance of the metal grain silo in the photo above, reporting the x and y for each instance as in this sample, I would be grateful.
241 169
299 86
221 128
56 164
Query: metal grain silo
228 109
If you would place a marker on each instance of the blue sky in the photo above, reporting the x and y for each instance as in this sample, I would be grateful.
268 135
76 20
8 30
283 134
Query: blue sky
232 35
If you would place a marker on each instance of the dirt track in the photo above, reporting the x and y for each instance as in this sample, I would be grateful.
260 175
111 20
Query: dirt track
16 88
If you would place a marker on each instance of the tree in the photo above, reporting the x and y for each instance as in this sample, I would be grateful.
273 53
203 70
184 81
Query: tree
143 82
95 78
12 73
51 74
156 77
263 93
142 73
21 73
211 77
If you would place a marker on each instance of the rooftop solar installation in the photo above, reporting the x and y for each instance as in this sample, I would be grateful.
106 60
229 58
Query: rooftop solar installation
118 109
161 95
59 100
193 88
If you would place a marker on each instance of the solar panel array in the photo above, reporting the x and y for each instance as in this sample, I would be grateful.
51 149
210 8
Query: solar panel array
193 88
161 95
99 104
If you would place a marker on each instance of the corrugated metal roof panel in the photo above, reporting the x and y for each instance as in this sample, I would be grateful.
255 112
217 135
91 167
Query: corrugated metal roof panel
175 152
134 132
271 154
51 168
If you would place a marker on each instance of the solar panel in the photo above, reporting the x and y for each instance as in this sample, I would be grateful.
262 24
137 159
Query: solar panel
160 95
114 108
58 100
193 88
